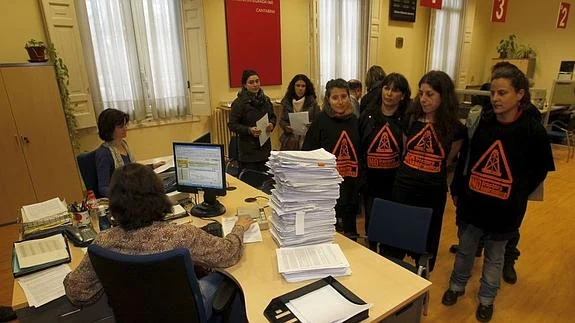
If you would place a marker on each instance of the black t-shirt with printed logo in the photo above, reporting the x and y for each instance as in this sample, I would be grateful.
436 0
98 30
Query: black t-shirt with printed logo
341 138
506 163
381 150
425 159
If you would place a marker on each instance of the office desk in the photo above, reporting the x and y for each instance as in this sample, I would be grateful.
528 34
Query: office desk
374 279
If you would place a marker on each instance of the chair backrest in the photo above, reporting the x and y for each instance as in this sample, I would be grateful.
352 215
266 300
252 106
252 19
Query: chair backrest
399 225
149 288
87 165
260 180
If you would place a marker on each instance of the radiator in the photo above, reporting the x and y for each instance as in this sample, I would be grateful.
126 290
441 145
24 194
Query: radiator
222 133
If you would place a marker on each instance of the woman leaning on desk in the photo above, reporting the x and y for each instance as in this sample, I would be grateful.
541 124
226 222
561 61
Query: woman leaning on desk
138 202
249 107
114 152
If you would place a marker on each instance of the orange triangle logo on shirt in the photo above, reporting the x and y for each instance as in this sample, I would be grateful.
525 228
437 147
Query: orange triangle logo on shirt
424 151
491 174
344 150
383 152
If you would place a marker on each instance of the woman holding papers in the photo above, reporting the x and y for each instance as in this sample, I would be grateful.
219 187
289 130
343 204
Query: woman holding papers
381 129
433 134
248 108
335 129
138 203
114 152
300 97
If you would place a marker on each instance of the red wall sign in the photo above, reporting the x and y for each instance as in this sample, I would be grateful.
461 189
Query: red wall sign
254 40
436 4
563 15
499 10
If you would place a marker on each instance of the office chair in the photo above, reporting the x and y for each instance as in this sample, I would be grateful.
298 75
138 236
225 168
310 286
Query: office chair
260 180
232 165
558 131
156 288
87 165
404 227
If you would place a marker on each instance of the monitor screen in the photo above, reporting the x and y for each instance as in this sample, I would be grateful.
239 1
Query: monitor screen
201 167
563 93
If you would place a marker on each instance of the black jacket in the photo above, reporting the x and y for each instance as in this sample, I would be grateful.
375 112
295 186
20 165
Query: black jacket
246 110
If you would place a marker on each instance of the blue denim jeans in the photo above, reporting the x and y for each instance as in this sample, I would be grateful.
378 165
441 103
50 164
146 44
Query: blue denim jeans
208 287
494 251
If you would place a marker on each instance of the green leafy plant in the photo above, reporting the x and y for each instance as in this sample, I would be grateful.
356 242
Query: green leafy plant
62 77
510 48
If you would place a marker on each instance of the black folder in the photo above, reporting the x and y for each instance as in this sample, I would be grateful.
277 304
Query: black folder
277 311
18 272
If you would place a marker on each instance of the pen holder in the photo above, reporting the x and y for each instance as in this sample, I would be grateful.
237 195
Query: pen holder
81 218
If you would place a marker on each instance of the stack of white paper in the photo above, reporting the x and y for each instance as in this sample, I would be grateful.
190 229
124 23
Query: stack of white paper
306 190
43 210
44 286
312 262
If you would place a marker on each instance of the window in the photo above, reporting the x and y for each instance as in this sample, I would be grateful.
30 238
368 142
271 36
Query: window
138 57
446 37
342 33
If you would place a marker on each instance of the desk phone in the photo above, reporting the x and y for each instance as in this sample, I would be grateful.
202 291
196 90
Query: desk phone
255 213
80 236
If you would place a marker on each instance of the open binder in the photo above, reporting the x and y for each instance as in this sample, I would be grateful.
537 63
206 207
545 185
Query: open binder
277 310
17 271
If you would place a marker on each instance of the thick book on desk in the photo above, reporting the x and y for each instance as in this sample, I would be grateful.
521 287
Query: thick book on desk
278 311
18 271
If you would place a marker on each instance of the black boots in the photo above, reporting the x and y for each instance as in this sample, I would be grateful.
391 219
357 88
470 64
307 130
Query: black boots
509 273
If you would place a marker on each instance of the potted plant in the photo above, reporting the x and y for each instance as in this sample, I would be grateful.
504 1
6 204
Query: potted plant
36 50
522 56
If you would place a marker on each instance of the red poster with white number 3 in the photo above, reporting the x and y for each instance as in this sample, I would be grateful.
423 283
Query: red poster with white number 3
563 15
499 10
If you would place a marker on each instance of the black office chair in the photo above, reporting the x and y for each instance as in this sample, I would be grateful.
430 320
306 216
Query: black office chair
404 227
87 165
156 288
260 180
559 132
232 165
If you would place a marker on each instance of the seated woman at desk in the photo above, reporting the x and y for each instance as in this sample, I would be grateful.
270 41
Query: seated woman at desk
114 152
138 203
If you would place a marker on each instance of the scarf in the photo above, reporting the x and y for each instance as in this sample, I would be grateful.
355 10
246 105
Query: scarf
118 161
255 99
298 104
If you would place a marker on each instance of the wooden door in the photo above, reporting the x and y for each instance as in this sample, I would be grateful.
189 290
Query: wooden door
62 29
37 110
15 185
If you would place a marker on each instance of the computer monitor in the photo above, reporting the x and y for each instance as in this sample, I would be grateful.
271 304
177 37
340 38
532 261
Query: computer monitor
201 167
563 93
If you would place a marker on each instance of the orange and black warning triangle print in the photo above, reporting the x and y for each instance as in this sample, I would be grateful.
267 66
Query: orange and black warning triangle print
383 152
491 174
344 150
424 151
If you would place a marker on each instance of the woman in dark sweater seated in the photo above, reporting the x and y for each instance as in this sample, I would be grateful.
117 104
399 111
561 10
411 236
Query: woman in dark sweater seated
138 203
114 152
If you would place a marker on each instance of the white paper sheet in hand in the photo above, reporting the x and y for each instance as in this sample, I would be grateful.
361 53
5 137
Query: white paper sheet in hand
262 125
298 122
252 234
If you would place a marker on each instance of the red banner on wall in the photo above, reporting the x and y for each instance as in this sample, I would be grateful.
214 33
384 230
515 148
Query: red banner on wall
436 4
499 10
563 15
254 40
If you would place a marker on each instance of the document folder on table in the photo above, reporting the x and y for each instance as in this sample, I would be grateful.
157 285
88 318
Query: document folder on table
18 270
278 311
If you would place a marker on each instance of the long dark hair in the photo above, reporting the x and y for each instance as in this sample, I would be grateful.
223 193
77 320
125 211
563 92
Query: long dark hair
137 196
446 114
309 89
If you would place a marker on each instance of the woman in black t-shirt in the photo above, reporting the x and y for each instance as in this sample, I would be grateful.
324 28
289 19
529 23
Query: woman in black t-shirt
432 138
381 129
